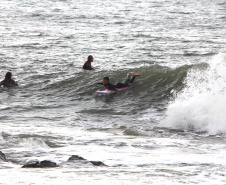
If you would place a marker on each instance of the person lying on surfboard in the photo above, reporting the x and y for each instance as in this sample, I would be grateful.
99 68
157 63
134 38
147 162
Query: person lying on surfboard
127 82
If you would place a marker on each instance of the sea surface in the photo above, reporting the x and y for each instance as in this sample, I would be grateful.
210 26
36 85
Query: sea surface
169 128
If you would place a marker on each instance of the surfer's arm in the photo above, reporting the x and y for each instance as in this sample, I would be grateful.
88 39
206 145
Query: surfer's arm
100 83
15 83
2 83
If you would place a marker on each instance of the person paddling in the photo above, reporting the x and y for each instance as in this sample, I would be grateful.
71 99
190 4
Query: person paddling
127 82
8 81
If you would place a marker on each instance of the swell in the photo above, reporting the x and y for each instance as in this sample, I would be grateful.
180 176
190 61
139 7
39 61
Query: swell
156 82
156 86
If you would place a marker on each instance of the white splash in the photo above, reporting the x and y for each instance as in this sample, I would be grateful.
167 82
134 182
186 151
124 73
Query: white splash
201 105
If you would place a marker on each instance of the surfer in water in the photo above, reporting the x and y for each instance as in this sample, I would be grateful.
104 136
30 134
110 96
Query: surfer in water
87 64
8 81
127 82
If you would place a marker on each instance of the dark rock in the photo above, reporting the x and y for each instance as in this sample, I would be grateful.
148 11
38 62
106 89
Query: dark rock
42 164
81 161
31 165
3 157
98 163
47 164
75 157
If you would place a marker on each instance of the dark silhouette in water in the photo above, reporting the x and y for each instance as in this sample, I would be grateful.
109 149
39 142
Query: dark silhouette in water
8 81
87 64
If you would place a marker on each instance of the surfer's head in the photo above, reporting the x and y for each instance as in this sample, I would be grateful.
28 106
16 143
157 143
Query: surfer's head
8 76
105 80
90 58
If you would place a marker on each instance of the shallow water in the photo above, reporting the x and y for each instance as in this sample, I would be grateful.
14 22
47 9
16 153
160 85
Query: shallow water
169 128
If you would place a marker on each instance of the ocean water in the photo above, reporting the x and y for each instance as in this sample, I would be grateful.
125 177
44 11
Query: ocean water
169 128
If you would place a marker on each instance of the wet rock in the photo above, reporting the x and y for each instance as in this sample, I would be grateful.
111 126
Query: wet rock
42 164
98 163
82 162
3 157
47 164
31 165
76 161
75 157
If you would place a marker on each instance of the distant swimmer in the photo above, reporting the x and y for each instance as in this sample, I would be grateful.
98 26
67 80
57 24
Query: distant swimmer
8 81
127 82
87 64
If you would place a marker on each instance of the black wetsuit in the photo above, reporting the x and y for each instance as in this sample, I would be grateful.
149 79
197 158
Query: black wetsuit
8 83
108 86
127 82
87 66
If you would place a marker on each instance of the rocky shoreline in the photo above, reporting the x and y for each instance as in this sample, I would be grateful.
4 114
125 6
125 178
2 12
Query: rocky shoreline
49 164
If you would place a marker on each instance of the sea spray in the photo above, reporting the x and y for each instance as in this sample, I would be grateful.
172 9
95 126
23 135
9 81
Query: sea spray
200 106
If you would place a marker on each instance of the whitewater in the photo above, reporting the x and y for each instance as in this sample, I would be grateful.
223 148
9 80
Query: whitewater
200 105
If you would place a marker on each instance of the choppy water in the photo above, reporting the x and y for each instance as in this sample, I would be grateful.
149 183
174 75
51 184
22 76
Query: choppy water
168 129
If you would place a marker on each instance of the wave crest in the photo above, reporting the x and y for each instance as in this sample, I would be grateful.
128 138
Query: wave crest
200 106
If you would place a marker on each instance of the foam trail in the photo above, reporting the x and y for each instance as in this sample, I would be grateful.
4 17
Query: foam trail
201 105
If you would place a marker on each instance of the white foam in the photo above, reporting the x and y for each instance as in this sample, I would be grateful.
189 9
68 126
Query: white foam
201 105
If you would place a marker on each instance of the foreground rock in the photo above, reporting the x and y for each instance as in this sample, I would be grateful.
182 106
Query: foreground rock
75 158
42 164
98 163
78 158
3 157
75 161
